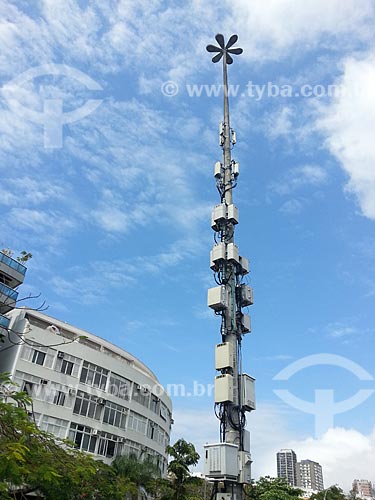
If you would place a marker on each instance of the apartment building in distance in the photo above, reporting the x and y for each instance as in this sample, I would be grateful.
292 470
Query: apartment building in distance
363 488
310 476
85 388
287 466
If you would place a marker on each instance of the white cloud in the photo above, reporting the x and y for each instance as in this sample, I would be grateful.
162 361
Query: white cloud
299 177
291 207
344 454
348 124
339 330
271 30
279 123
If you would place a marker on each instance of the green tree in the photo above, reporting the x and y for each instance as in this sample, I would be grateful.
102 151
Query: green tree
140 474
331 493
183 456
269 488
34 461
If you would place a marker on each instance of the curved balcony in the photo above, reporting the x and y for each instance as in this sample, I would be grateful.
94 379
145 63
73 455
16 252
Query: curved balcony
4 324
11 271
8 298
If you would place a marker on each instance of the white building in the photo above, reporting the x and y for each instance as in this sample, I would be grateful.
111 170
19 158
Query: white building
86 389
310 476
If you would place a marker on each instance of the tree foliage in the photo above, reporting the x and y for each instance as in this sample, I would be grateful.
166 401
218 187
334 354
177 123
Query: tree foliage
331 493
269 488
140 474
34 461
183 456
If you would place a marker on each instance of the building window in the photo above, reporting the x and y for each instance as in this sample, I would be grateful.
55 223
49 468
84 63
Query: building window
151 430
94 375
119 386
163 411
66 367
28 387
59 398
41 355
137 423
132 448
114 415
108 445
33 386
154 406
83 437
38 358
67 364
88 405
141 395
56 426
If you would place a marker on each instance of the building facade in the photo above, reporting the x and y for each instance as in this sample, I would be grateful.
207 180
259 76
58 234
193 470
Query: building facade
310 476
287 466
86 389
363 488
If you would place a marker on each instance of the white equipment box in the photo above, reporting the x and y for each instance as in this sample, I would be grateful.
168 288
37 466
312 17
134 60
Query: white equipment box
221 461
217 169
244 459
247 296
233 214
218 215
248 392
244 265
217 254
245 323
232 252
223 356
217 298
223 388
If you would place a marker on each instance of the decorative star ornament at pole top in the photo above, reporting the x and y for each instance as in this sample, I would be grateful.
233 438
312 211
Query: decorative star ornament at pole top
224 49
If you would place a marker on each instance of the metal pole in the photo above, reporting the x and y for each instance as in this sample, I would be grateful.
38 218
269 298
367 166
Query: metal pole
231 333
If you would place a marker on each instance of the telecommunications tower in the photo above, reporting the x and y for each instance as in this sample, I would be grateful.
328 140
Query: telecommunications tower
228 463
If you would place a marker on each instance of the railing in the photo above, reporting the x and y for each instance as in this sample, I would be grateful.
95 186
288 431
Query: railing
9 292
12 263
4 322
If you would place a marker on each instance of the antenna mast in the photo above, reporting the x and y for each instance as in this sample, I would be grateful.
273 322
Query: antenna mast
228 463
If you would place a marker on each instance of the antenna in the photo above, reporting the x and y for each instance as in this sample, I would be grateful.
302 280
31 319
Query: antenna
228 463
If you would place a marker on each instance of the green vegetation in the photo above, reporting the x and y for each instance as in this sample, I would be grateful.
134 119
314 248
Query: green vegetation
183 456
331 493
33 461
22 257
268 488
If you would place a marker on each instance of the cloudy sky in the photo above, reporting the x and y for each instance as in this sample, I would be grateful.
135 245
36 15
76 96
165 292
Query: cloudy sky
108 136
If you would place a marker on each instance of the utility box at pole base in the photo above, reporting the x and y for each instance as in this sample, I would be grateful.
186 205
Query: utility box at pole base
221 461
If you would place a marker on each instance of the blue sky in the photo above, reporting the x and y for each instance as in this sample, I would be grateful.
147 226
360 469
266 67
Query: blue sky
118 217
